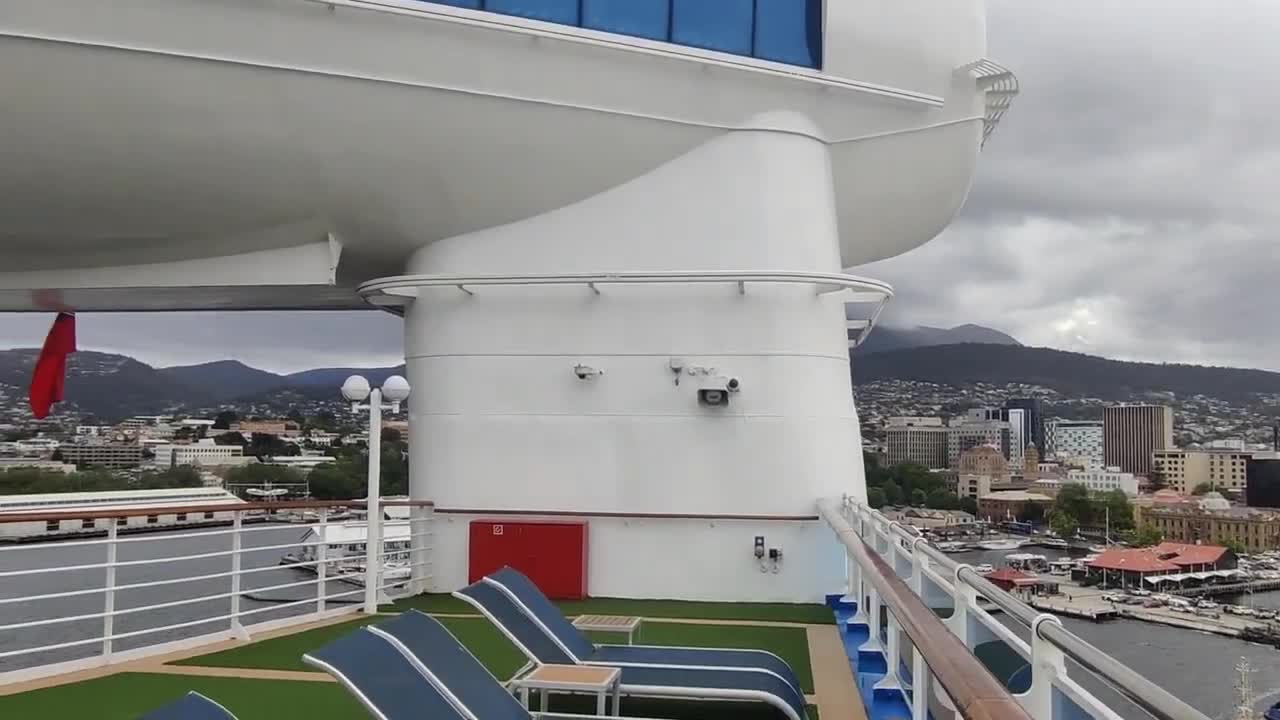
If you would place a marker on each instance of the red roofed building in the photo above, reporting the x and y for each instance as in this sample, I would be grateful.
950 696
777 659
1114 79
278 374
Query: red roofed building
1012 580
1129 567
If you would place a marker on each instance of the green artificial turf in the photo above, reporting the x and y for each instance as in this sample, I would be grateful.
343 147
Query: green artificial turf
503 659
815 614
285 652
128 695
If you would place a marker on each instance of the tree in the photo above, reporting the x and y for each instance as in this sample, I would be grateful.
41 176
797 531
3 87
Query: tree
1073 500
917 498
230 438
1063 524
1147 535
875 497
223 420
260 474
892 493
331 482
1235 546
969 505
1203 488
391 435
1119 509
267 445
942 499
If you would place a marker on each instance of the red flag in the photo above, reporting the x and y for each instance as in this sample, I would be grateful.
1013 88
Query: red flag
51 368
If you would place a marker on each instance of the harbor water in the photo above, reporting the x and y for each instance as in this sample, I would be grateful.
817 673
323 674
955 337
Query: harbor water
1196 666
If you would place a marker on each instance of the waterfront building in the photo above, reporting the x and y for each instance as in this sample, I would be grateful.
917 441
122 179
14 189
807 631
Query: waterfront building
1001 505
108 455
1105 480
1131 433
105 502
1184 470
1071 440
1131 567
920 440
972 431
205 453
1208 521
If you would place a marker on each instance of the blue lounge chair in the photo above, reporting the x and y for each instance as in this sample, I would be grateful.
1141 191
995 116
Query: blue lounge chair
437 678
513 603
192 706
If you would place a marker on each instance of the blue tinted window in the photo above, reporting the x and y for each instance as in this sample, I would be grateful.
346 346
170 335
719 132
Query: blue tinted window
556 11
723 25
786 31
789 31
641 18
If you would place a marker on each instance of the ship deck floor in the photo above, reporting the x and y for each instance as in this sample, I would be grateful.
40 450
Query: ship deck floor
265 679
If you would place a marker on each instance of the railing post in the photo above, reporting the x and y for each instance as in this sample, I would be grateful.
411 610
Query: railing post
419 525
873 643
892 680
322 558
921 686
237 542
1047 664
373 508
109 606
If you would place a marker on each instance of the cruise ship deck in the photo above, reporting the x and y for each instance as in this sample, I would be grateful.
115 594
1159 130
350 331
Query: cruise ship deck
265 678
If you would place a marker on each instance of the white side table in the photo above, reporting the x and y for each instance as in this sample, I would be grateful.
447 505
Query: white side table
598 680
608 623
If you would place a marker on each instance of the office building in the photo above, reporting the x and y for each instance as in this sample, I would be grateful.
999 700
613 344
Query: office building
975 431
1105 480
1017 437
108 456
1131 433
1032 420
979 469
205 454
1184 470
1262 489
920 440
1072 439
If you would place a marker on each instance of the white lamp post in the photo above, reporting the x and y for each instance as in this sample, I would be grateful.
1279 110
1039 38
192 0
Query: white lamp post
395 390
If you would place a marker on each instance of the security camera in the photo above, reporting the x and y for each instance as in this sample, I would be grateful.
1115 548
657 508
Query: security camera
733 384
586 372
714 391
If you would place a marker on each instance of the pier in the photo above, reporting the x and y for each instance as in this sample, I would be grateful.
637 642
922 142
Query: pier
1229 589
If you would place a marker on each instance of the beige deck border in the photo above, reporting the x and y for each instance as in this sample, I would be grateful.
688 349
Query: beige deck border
835 690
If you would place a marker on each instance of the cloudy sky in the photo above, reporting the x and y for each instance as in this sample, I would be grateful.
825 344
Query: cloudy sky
1129 206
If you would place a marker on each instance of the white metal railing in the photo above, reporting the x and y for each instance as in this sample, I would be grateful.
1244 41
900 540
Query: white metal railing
876 547
66 605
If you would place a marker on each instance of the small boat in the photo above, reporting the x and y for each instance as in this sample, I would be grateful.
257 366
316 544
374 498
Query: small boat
985 568
1056 543
952 547
1207 605
1004 544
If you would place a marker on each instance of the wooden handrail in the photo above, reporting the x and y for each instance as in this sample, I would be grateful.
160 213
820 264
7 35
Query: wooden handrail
976 693
16 517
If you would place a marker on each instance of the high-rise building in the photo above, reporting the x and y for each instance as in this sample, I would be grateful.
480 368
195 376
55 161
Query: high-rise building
1131 433
1017 436
1032 421
1069 439
1184 470
1263 488
920 440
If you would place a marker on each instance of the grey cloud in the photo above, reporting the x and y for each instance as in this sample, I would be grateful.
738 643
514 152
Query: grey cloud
1127 205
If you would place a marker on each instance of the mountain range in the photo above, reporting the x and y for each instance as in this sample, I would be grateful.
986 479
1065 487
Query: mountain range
111 387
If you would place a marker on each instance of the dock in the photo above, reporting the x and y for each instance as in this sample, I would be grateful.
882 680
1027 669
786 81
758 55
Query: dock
1229 588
